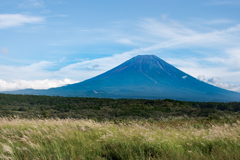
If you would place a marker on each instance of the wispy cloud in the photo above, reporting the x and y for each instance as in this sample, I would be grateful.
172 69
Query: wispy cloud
167 29
12 20
175 33
33 71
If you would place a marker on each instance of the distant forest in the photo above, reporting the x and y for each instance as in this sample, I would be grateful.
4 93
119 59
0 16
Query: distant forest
32 106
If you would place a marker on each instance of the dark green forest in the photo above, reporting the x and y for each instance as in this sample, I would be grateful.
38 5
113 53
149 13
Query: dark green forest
32 106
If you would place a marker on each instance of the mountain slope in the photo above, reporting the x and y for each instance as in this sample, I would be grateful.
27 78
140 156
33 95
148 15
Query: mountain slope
143 76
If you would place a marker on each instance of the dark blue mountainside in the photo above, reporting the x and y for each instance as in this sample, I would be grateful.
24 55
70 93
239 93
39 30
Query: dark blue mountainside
143 76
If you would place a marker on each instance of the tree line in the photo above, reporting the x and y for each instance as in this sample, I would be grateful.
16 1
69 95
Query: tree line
32 106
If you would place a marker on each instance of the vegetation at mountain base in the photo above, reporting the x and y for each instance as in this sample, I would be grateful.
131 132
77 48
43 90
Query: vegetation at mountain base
32 106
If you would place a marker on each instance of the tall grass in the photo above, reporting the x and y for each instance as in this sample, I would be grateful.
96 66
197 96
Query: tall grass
86 139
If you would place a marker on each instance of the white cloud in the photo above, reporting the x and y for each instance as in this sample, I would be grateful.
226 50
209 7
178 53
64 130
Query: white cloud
37 84
30 72
12 20
218 83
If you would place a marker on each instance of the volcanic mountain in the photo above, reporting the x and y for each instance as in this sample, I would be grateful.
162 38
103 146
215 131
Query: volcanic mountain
143 76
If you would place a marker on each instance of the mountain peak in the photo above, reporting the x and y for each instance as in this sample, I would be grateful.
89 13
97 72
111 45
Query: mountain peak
149 63
145 56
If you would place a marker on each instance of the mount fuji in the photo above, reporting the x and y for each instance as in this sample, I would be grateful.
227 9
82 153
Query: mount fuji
143 76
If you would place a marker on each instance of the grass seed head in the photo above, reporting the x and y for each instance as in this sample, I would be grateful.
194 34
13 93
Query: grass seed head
7 149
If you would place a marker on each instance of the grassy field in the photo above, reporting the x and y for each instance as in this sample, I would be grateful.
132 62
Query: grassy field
144 139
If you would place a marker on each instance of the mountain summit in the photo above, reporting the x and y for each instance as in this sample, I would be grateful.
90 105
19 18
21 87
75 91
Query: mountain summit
143 76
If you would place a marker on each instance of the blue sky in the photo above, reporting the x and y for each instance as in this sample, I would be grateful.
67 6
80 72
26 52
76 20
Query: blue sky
50 43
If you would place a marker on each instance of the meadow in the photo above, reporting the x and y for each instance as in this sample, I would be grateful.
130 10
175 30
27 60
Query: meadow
53 138
65 128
